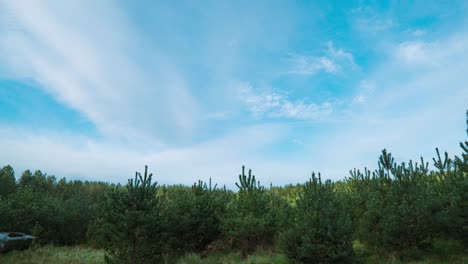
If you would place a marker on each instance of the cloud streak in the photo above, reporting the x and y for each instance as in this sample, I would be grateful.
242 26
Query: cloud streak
277 105
332 62
74 53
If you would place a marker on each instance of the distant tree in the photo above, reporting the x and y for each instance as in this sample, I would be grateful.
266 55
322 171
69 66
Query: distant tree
7 181
25 178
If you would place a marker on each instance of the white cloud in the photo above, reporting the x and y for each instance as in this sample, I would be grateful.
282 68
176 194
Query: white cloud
435 54
414 53
277 105
365 90
341 55
87 56
419 32
332 62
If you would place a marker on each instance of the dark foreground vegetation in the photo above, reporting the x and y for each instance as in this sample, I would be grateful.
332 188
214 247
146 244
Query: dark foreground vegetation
399 212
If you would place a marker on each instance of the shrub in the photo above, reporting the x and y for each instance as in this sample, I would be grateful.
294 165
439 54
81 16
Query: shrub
192 216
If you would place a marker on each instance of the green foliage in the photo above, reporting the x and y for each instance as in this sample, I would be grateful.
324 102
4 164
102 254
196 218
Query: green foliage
192 216
463 192
132 222
462 163
25 179
396 205
289 193
322 230
450 186
400 209
55 212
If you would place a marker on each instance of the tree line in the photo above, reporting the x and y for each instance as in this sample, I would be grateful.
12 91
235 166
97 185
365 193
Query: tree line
398 209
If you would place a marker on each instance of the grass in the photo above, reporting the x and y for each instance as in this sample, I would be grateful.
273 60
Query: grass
56 255
444 252
79 254
260 257
233 258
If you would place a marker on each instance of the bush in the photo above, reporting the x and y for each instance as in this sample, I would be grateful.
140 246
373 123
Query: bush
57 213
192 216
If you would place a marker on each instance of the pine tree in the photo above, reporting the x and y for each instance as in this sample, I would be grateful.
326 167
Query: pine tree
249 221
460 185
247 183
132 222
462 162
321 231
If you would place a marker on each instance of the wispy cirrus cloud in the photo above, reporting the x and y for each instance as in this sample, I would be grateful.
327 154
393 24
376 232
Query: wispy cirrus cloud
276 104
74 53
332 62
431 54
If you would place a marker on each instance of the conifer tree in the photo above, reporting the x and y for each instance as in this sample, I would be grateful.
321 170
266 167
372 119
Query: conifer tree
26 178
249 219
460 184
321 231
7 181
132 222
462 162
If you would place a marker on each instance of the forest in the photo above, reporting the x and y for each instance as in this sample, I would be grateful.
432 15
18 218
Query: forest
400 211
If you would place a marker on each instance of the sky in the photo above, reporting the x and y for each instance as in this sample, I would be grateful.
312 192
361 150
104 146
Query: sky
94 90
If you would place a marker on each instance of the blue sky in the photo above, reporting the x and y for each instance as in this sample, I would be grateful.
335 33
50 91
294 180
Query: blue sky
97 89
